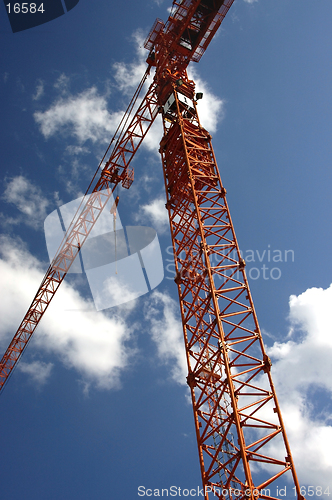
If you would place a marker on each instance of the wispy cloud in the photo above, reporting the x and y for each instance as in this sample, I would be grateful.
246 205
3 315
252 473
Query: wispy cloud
84 116
39 91
62 83
301 366
128 75
29 201
162 313
93 343
73 172
38 371
77 150
155 213
211 108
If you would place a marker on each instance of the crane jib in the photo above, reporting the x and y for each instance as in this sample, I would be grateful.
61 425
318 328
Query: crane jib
237 417
190 28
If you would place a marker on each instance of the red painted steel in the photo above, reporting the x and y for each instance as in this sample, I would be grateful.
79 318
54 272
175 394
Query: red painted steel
236 412
116 170
237 416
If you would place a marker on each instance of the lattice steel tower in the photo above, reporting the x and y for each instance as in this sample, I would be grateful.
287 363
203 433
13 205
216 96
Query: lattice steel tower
236 412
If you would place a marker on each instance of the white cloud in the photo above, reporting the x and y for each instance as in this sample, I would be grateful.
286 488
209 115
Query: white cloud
93 343
28 199
73 172
39 91
37 370
301 365
154 136
85 116
166 330
156 213
76 150
129 75
210 108
62 83
251 1
114 290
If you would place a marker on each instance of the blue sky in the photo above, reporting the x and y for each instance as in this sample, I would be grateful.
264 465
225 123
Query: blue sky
98 405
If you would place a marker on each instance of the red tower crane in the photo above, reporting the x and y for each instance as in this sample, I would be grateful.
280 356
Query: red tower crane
240 432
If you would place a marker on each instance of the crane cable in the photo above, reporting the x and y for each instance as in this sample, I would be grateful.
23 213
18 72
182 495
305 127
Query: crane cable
121 127
113 211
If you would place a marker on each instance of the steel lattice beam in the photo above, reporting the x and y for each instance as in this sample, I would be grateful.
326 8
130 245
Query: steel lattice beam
236 412
116 170
237 416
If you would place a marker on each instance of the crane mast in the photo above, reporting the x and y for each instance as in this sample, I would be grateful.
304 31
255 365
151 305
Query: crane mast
237 416
242 443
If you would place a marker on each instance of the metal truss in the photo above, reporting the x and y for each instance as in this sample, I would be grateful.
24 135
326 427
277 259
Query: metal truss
242 443
116 170
237 416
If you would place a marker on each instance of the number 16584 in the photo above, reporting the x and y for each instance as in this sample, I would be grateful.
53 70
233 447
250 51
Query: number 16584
25 8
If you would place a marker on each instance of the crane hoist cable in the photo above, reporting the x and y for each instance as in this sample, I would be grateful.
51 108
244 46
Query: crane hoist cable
55 274
225 353
121 129
113 211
